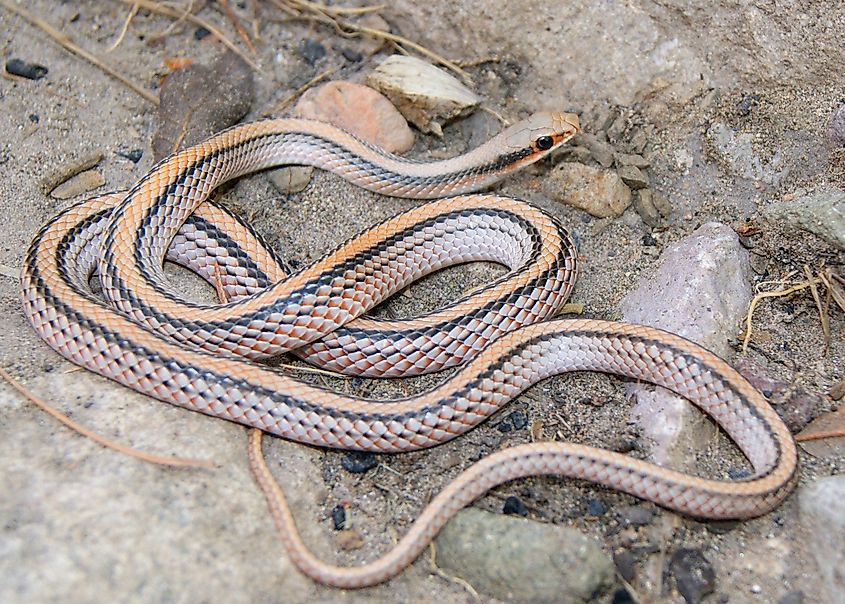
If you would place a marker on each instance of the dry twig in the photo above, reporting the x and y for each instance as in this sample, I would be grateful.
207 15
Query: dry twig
62 418
746 339
132 12
281 105
70 46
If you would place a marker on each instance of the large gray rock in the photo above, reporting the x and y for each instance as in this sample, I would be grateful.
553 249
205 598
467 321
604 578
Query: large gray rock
519 560
823 513
700 290
822 214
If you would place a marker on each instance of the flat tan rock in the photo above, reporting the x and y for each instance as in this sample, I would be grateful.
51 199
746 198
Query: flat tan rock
360 110
598 192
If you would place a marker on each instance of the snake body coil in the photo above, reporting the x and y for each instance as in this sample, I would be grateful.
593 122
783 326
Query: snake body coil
192 355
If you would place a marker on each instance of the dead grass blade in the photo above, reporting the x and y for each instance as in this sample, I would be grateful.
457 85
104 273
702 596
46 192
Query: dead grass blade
162 460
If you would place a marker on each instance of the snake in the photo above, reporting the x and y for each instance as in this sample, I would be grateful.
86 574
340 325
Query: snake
503 337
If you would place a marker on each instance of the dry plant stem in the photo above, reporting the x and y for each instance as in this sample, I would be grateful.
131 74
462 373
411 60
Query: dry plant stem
236 23
834 289
331 16
161 9
281 105
822 308
132 12
156 459
758 297
820 435
70 46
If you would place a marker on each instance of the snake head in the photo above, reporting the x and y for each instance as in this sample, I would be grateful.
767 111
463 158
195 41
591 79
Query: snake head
541 134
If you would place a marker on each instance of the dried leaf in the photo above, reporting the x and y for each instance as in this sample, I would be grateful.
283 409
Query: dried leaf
177 63
825 436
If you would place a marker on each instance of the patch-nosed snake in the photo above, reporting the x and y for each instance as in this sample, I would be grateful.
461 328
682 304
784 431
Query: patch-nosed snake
148 338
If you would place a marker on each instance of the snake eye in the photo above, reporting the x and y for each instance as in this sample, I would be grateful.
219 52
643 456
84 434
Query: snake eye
544 143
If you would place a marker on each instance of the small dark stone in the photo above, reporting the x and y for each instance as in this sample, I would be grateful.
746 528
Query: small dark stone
133 155
30 71
352 55
635 515
33 117
649 240
793 597
514 507
339 517
624 562
358 462
200 33
311 50
738 473
515 421
596 507
693 574
747 103
623 596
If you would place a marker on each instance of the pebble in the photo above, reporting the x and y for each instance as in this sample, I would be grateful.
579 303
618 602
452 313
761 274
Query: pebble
793 597
311 50
736 150
625 565
635 515
822 213
700 290
513 506
349 540
339 517
598 192
623 596
360 110
133 155
633 177
822 506
600 150
836 130
596 507
291 179
694 575
358 462
30 71
426 95
515 421
519 560
198 101
79 184
201 33
632 159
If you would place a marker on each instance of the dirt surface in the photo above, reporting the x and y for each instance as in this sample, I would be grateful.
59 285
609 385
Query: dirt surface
80 523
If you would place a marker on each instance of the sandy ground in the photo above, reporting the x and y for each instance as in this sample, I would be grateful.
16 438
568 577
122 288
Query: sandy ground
80 523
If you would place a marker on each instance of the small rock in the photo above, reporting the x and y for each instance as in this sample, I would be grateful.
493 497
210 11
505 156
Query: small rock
693 574
201 33
426 95
515 421
633 177
291 179
514 507
599 192
600 150
632 159
836 130
30 71
623 596
635 515
747 103
520 560
822 214
358 462
596 507
625 566
349 540
360 110
79 184
822 505
311 50
133 155
198 101
339 517
644 205
837 391
572 153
